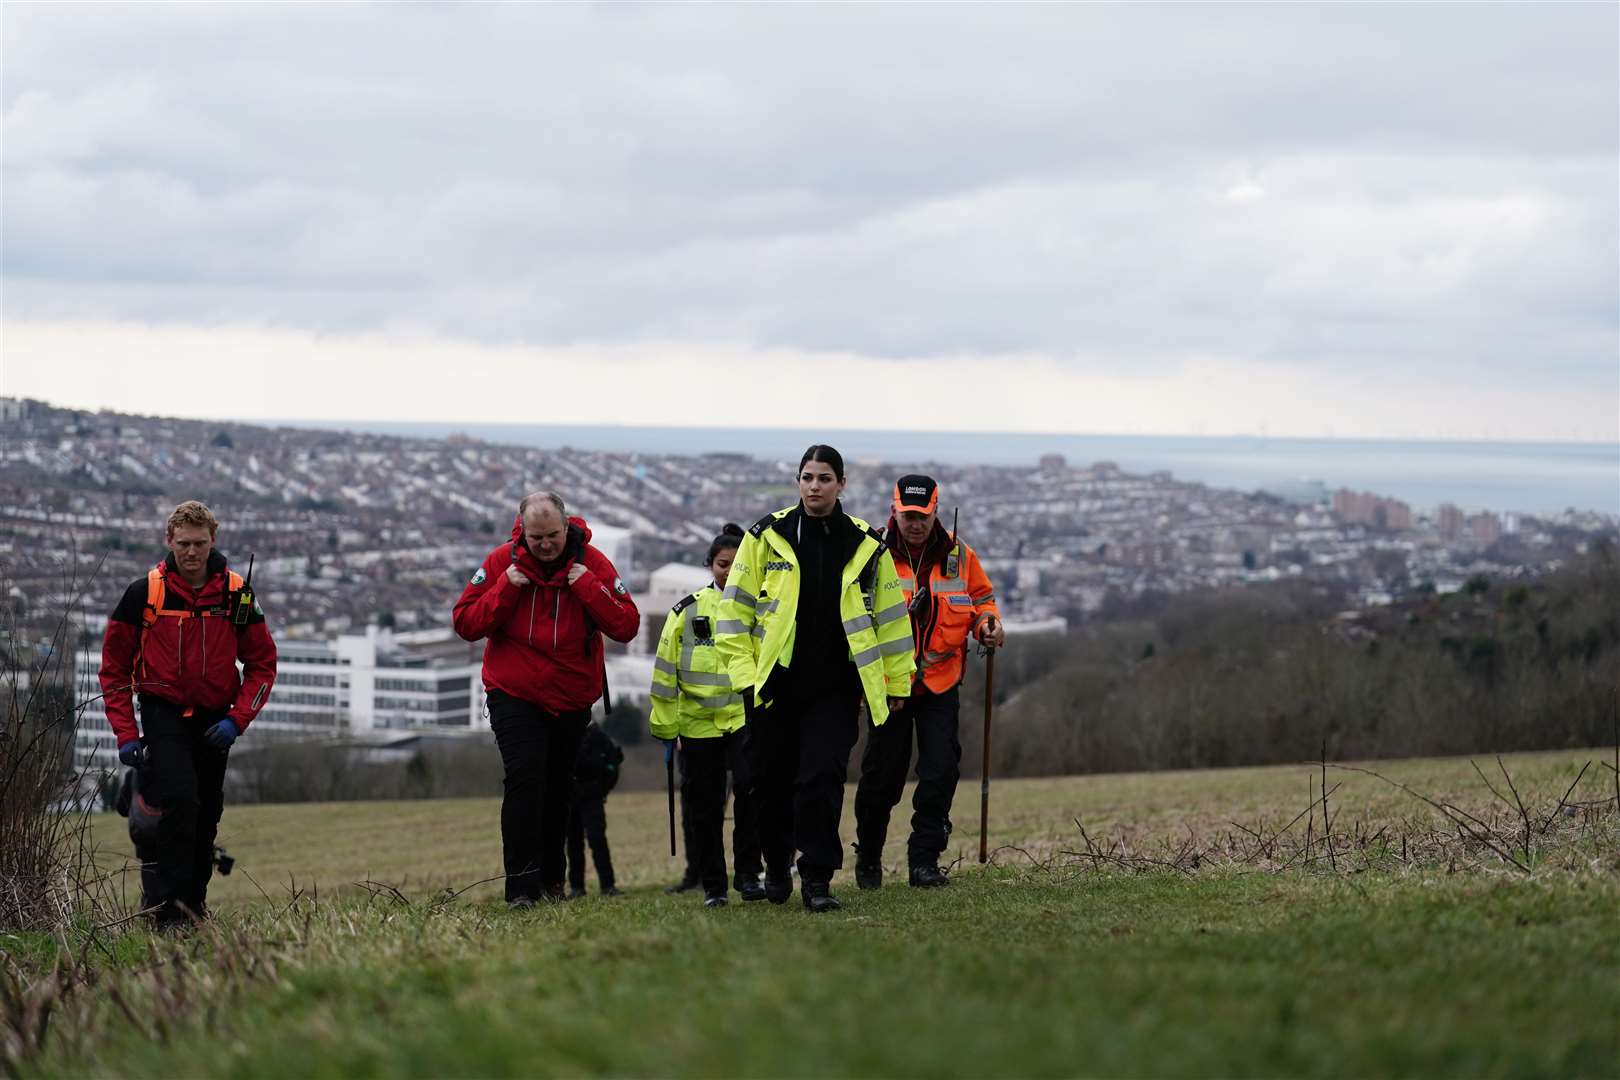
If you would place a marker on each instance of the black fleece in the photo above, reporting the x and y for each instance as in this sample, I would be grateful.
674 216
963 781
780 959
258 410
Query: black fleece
824 546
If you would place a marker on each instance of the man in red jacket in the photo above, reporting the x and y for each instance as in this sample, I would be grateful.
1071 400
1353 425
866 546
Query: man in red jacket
543 601
175 640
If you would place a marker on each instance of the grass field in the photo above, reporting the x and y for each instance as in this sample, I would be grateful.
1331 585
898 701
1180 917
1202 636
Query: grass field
1448 961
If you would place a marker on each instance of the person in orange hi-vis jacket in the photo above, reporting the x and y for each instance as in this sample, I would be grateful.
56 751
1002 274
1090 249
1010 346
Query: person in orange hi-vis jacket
949 598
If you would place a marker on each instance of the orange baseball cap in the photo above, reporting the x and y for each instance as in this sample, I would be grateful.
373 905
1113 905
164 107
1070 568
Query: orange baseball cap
916 492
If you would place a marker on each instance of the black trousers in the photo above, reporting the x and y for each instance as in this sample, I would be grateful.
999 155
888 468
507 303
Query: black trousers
537 751
184 777
587 820
707 763
801 751
934 719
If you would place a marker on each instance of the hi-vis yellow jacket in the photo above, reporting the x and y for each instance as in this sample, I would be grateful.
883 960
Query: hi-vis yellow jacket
691 692
758 617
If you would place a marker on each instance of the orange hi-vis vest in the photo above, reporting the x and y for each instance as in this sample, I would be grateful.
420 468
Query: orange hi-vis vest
157 588
961 599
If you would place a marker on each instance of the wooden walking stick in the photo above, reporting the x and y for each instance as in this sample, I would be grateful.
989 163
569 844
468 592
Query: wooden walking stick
984 771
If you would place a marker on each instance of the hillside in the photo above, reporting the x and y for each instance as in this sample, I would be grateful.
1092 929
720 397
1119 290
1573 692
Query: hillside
1198 926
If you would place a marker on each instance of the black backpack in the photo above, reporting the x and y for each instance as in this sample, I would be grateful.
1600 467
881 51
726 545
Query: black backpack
599 758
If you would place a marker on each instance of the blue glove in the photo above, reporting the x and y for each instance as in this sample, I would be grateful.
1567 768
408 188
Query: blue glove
132 754
222 734
669 750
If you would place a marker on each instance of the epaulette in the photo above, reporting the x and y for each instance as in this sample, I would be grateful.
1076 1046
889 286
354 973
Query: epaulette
757 529
683 603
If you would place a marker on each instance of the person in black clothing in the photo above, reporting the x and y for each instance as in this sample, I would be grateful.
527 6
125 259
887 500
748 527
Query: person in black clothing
596 771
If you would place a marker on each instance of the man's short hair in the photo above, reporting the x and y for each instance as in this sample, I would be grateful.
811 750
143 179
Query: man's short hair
192 512
543 496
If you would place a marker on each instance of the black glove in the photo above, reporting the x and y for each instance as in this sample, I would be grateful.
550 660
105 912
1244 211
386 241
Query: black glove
132 754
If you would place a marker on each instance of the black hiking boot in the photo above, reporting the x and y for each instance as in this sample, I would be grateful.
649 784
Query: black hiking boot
818 897
928 877
686 884
715 899
778 889
576 892
750 890
868 875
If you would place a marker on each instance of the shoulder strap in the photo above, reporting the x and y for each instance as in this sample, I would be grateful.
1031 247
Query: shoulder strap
683 603
156 589
869 572
757 529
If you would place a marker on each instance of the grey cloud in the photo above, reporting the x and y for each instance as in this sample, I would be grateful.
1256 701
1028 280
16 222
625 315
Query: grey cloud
1117 185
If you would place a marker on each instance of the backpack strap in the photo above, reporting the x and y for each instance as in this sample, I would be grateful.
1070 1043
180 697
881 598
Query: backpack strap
157 591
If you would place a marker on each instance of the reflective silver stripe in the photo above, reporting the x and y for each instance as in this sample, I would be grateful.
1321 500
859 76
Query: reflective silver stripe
891 648
890 614
768 606
857 624
719 701
730 626
741 597
872 655
987 598
706 678
930 659
660 664
960 600
949 585
758 631
660 690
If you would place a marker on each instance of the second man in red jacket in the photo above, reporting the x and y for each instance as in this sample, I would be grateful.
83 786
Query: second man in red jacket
543 602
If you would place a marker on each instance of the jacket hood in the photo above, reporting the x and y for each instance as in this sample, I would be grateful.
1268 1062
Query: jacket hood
573 523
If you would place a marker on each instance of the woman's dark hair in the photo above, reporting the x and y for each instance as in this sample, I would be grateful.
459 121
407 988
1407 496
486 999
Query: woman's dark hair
827 456
730 537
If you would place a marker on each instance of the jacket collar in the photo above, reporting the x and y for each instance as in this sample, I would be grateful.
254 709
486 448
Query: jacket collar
579 534
935 548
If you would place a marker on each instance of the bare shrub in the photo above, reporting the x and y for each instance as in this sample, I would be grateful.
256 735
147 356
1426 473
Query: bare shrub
48 874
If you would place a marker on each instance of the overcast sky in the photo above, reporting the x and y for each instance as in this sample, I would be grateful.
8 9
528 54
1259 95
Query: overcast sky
1394 220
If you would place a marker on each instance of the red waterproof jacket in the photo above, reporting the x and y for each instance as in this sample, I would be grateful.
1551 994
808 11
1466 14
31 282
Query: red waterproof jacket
187 659
545 639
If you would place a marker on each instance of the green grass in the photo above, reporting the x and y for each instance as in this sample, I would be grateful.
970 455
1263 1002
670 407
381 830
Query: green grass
1014 970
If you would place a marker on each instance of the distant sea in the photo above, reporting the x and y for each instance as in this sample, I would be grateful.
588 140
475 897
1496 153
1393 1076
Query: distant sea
1531 477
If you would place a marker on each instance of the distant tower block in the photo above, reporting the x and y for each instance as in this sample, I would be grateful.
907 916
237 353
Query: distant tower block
1053 463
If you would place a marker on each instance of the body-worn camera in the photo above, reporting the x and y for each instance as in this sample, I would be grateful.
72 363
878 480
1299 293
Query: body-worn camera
703 626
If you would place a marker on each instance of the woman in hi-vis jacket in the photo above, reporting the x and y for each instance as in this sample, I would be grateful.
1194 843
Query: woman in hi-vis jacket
813 623
693 702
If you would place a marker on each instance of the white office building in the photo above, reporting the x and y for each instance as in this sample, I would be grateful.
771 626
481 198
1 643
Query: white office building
665 587
341 687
